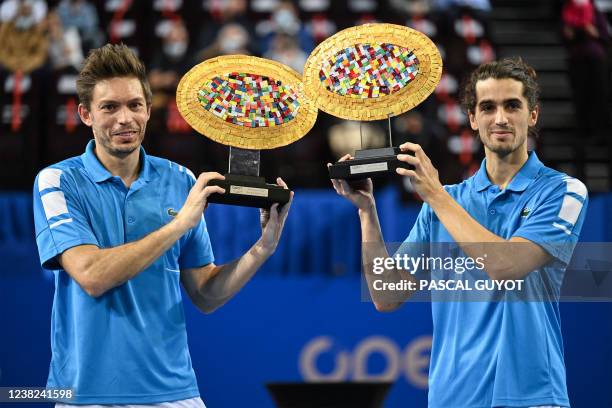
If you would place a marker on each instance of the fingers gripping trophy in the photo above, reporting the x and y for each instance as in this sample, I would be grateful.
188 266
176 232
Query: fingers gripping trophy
367 73
249 104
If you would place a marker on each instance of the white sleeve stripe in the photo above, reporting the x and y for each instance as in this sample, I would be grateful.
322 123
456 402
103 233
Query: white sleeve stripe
60 222
570 209
54 204
49 178
576 186
190 173
562 228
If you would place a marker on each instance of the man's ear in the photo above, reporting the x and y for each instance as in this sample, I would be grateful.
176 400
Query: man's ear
85 114
533 116
473 123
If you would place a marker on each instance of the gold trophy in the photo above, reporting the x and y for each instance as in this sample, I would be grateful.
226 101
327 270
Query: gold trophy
248 104
372 72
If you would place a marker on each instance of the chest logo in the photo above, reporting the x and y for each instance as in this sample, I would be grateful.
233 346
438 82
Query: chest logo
525 213
171 212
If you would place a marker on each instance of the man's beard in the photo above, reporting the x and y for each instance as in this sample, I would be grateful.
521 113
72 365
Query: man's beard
121 151
501 149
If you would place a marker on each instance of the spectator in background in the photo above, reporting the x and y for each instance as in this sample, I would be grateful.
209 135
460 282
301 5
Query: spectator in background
23 45
285 50
417 15
64 44
83 16
469 18
586 36
228 18
420 7
167 67
233 38
321 26
478 5
285 21
172 60
23 13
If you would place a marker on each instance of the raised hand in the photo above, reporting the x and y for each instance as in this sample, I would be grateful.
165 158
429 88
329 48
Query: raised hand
424 177
196 202
273 221
360 192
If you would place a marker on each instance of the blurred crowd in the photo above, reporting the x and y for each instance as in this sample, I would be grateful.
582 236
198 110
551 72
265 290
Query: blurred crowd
586 35
42 44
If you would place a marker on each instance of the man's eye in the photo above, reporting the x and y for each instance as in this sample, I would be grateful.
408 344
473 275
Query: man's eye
486 108
108 107
514 105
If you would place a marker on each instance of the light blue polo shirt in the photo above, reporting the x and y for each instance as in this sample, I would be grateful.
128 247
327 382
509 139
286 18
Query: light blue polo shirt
506 353
128 346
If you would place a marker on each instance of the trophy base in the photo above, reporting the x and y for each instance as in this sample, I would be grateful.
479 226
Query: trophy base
367 163
248 191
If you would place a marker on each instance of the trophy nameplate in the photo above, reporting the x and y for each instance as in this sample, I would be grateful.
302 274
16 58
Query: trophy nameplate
367 163
243 185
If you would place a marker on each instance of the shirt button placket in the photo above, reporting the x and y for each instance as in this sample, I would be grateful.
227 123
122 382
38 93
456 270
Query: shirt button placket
130 218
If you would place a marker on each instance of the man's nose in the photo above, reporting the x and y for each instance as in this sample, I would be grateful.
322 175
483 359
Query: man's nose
500 117
124 115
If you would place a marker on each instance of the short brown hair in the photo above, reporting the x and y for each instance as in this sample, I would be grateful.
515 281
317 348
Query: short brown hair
110 61
513 68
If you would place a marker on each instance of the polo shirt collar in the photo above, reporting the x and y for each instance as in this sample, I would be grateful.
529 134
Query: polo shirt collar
526 174
99 173
481 179
521 179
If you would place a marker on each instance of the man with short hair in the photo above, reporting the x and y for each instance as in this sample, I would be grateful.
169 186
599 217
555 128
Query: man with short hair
121 231
526 216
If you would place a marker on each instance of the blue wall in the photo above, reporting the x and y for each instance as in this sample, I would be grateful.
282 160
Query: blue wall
306 296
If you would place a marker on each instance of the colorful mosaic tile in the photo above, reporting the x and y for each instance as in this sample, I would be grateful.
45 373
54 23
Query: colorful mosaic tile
369 70
249 100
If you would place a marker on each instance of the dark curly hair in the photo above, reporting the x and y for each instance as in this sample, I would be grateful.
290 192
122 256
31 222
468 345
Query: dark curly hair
513 68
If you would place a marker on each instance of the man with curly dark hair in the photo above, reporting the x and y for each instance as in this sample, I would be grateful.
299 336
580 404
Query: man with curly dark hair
522 220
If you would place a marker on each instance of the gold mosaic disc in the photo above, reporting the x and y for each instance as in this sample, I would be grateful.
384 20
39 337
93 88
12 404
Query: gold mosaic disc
372 71
246 102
